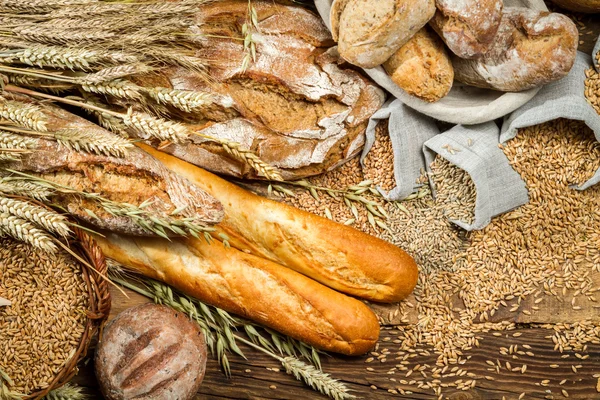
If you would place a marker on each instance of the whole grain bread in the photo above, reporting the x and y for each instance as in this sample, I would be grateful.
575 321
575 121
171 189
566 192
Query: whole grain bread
134 178
422 67
370 32
253 288
298 107
531 49
468 27
585 6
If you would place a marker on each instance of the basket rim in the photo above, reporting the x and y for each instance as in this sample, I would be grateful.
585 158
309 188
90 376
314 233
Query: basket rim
98 307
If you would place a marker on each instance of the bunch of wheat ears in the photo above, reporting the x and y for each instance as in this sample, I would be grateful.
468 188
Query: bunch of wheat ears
87 54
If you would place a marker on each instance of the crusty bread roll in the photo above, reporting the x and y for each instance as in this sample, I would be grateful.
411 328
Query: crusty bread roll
369 32
585 6
422 67
336 255
468 27
531 49
252 287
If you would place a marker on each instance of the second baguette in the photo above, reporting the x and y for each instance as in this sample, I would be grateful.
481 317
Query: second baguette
336 255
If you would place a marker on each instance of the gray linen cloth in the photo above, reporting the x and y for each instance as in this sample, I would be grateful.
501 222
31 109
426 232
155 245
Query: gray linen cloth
595 53
561 99
475 150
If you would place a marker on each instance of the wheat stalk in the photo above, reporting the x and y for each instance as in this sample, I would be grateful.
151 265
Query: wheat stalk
38 6
247 156
21 229
316 379
8 154
66 392
151 127
25 189
11 140
59 57
116 72
63 37
43 217
93 142
185 100
119 88
248 27
23 114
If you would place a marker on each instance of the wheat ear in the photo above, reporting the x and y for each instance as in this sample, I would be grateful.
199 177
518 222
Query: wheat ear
119 88
151 127
117 72
95 142
25 189
185 100
59 57
11 140
45 218
67 392
21 229
247 156
23 114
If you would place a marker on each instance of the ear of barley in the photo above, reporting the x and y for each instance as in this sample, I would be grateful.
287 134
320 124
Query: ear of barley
119 88
23 114
116 72
247 156
21 229
11 140
185 100
97 142
25 189
148 127
43 217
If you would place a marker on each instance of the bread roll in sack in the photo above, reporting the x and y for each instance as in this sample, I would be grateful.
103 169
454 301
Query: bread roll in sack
584 6
531 49
369 32
253 288
422 67
336 255
467 27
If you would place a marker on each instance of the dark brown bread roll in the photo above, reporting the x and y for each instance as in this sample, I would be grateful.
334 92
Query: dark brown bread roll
151 352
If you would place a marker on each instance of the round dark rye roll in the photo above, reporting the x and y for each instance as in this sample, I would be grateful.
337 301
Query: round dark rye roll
336 255
252 287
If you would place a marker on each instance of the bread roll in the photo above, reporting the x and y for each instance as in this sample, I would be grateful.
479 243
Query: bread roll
369 32
253 288
585 6
531 49
422 67
336 255
150 352
468 27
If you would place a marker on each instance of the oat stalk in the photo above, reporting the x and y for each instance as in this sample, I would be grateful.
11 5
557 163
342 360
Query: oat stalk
43 217
93 142
67 392
247 156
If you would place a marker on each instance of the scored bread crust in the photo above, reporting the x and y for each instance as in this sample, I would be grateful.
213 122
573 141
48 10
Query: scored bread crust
370 32
336 255
253 288
422 67
468 27
531 49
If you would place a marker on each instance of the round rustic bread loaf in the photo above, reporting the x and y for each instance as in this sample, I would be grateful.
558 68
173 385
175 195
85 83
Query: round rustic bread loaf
586 6
151 352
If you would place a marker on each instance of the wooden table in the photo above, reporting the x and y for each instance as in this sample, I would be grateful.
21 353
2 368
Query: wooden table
251 379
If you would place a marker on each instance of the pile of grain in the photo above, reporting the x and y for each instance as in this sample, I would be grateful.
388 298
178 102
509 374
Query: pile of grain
379 163
42 328
592 87
454 189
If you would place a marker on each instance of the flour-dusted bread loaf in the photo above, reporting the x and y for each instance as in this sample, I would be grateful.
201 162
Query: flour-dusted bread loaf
468 27
297 107
151 352
422 67
252 287
585 6
369 32
336 255
132 177
531 49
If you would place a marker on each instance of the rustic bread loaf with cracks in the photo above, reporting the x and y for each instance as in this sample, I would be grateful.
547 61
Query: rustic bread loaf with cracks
253 288
531 49
336 255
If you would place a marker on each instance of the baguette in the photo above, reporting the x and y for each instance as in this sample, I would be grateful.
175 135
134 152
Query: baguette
531 49
584 6
253 288
336 255
422 67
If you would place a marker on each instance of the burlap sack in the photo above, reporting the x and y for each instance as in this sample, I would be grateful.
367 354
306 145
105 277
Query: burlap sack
464 104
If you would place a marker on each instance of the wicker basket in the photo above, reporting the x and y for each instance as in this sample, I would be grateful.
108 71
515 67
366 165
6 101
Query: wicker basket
98 309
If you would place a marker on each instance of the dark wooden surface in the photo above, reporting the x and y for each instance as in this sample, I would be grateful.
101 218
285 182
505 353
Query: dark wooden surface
251 379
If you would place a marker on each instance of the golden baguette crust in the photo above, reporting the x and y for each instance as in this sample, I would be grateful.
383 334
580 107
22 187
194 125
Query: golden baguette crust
336 255
251 287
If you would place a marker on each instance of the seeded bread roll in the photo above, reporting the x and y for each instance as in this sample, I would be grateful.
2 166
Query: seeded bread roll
468 27
585 6
252 287
151 352
531 49
336 255
422 67
369 32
